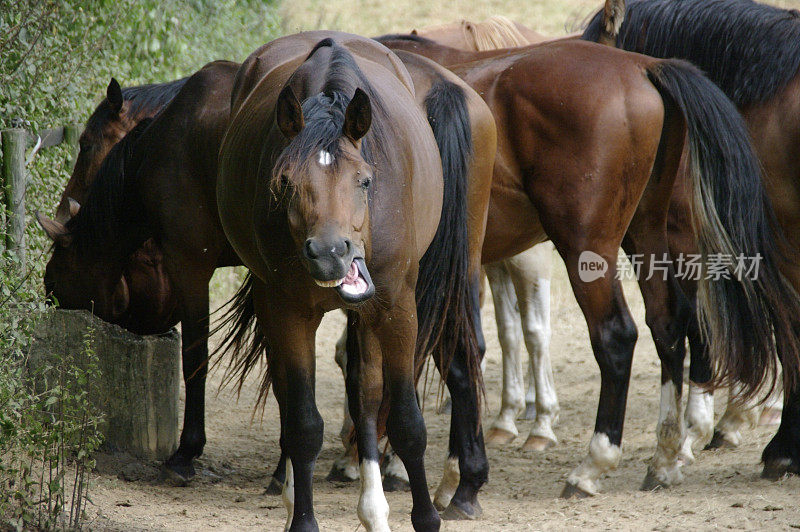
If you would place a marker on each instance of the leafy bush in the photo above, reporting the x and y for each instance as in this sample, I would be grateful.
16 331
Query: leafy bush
56 58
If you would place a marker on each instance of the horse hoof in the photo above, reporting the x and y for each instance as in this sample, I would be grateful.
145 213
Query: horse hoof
275 487
652 482
719 442
778 468
770 417
464 511
497 437
530 412
572 491
393 483
537 443
338 474
177 475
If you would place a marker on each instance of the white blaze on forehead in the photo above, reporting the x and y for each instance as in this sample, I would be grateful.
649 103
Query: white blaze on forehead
324 158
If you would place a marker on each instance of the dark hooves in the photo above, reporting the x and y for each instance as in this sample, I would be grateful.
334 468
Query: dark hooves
462 511
393 483
338 475
778 468
652 483
572 491
275 487
177 474
718 442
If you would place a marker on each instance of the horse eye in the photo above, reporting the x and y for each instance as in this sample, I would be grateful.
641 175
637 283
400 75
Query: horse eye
366 182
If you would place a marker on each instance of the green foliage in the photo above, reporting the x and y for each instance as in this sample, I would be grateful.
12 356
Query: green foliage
56 58
49 429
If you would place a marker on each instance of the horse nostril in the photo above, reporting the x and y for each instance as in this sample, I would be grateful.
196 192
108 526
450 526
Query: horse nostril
311 250
341 248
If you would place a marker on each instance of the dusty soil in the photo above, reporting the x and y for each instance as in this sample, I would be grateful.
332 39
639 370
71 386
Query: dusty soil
721 490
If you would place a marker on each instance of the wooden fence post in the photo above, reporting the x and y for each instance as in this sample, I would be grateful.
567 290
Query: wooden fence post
72 133
14 184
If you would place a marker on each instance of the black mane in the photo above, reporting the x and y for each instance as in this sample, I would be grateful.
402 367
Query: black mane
103 215
146 98
324 113
749 50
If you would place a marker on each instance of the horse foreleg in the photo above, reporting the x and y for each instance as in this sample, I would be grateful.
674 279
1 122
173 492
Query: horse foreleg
530 272
504 429
194 351
290 334
364 383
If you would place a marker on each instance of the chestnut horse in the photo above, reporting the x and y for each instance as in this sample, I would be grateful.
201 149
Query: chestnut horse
322 188
752 52
151 210
586 184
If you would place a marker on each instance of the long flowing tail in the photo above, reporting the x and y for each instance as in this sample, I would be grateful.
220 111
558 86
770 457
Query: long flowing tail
444 304
246 345
748 312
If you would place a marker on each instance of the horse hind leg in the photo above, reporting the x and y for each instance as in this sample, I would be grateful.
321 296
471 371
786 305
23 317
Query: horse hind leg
782 454
613 335
667 315
699 414
530 272
467 453
503 429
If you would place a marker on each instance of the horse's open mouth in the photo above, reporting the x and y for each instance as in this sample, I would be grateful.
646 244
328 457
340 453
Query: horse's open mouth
354 287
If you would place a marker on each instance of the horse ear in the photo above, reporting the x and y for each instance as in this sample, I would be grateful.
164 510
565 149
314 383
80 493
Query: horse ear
414 32
74 207
114 95
55 230
289 113
358 116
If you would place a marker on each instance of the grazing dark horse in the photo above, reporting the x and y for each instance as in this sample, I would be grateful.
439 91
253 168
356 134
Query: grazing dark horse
331 190
752 52
153 196
111 120
589 143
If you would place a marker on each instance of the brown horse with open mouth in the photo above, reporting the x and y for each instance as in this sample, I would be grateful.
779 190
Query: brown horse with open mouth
589 143
330 177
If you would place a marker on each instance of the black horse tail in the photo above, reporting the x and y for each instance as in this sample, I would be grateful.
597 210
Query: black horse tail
446 309
748 312
244 341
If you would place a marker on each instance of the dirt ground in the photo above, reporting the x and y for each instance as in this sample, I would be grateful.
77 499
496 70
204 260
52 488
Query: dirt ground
721 490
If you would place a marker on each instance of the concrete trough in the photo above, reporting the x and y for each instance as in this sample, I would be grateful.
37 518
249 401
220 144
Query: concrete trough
140 379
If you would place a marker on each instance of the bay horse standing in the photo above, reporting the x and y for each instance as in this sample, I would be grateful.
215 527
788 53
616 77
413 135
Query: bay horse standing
156 185
581 130
335 199
752 52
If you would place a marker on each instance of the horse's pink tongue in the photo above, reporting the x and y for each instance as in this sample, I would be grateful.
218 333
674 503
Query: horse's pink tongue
352 274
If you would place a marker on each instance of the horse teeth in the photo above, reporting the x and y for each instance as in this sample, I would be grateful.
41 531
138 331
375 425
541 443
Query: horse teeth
329 284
